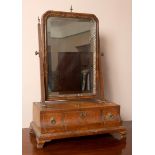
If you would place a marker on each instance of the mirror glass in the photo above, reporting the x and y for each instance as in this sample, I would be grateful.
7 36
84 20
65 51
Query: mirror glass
71 56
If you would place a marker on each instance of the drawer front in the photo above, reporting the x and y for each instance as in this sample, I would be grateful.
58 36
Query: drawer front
82 119
52 122
111 117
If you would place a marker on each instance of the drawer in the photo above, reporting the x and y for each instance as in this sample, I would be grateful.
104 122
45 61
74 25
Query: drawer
82 119
111 117
52 121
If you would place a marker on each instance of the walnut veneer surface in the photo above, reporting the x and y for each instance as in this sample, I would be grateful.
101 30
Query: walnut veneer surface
103 144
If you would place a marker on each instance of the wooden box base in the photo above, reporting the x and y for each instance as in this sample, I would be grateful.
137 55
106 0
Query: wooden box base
75 118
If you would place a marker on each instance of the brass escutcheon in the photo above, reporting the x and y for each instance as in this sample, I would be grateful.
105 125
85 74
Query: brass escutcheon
53 121
83 114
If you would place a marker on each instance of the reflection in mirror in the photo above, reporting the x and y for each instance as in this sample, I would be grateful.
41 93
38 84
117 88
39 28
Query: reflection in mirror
71 56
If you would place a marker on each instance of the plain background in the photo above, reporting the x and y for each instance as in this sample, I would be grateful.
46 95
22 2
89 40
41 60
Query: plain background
143 75
115 34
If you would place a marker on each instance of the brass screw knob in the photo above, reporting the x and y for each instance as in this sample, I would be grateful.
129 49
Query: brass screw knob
36 52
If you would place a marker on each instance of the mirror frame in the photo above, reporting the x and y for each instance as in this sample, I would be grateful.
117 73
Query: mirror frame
44 63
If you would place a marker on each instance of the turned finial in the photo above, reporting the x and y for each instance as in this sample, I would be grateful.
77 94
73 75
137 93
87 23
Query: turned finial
71 9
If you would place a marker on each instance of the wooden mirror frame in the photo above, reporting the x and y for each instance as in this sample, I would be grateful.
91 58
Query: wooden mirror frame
43 56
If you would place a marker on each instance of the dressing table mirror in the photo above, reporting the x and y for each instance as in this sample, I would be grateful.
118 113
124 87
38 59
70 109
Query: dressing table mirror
72 101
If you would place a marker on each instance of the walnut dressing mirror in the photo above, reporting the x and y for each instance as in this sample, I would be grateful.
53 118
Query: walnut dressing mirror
72 102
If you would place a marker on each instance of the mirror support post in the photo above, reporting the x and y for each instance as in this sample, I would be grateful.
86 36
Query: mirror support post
100 68
41 63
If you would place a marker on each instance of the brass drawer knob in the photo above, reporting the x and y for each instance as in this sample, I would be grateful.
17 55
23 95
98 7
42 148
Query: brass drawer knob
83 114
53 121
110 116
